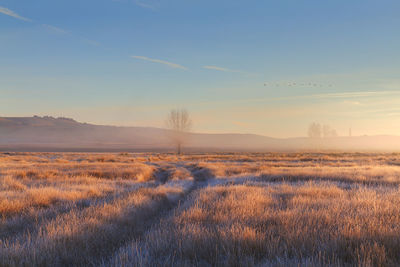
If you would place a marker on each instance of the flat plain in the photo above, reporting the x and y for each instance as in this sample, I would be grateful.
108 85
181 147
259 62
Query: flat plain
226 209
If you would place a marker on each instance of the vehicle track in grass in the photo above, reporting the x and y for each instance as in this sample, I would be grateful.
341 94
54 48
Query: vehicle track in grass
83 231
99 251
196 182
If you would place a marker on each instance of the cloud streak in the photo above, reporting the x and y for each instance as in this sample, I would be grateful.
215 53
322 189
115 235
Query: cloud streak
153 60
55 29
345 96
11 13
354 94
52 28
222 69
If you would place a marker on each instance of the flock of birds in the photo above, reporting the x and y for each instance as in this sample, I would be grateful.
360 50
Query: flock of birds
293 84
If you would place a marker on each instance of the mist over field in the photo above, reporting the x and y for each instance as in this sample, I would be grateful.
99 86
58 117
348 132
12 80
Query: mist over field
62 134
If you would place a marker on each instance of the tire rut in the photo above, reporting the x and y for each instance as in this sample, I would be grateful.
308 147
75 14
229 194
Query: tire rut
200 178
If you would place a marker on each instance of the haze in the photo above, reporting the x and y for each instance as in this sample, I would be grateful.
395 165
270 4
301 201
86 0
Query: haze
262 67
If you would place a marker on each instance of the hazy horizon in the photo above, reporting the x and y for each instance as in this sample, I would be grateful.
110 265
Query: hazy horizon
268 68
305 134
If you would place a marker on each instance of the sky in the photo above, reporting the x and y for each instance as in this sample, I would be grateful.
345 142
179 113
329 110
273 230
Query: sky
264 67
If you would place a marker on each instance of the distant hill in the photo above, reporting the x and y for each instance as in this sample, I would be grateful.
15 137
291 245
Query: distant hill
63 134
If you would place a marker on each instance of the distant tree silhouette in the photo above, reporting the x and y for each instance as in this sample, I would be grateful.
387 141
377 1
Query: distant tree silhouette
179 123
328 131
315 130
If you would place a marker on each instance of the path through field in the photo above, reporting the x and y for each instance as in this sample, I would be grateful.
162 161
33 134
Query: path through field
199 210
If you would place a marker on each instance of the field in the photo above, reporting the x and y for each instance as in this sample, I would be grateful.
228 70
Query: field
271 209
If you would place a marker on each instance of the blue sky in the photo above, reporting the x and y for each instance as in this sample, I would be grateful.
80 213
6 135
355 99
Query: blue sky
266 67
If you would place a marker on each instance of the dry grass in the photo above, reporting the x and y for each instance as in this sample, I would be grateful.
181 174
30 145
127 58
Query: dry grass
305 209
80 237
308 224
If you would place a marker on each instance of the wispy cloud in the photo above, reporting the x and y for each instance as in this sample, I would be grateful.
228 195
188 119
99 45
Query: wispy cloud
52 28
11 13
169 64
221 69
354 94
55 29
212 67
345 98
62 31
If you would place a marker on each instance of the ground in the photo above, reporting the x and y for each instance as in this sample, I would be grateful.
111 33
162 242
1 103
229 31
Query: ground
240 209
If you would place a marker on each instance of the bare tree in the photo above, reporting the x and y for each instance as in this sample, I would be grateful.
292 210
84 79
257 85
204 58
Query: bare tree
328 131
315 130
179 122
